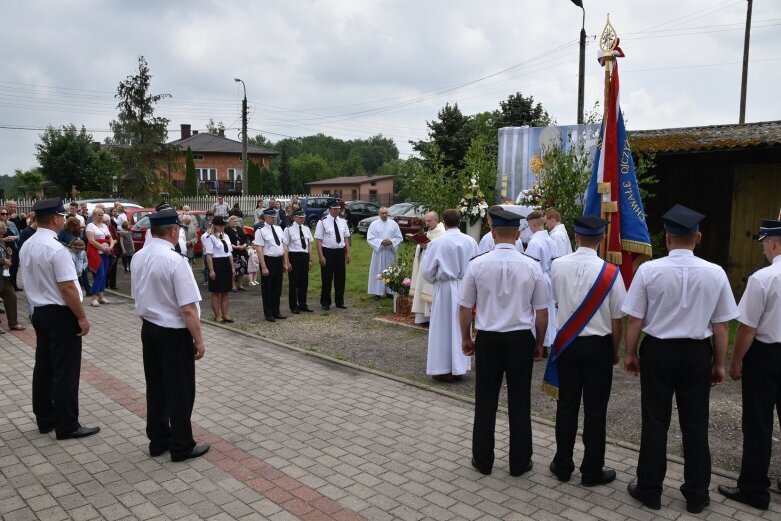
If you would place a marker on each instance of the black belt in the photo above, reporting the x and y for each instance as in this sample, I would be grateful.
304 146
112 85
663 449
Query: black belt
51 306
152 324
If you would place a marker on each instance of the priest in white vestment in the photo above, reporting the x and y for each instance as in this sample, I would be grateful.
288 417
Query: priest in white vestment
422 292
384 237
558 232
444 266
543 249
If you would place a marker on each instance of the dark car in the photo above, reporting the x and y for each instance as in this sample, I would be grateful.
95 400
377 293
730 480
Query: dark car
356 211
315 206
411 221
138 231
396 209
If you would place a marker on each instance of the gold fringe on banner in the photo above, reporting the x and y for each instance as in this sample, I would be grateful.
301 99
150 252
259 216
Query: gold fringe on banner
609 206
614 257
636 247
550 390
603 188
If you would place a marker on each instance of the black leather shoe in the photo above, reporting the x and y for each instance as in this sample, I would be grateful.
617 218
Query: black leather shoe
561 476
81 432
45 429
270 319
280 317
158 451
527 468
341 306
695 507
482 470
196 452
326 307
632 489
307 309
295 311
377 297
735 494
606 477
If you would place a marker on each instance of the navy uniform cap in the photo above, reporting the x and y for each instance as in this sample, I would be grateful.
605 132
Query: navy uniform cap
769 228
49 207
501 218
299 213
218 220
589 225
162 206
335 204
164 217
680 220
270 211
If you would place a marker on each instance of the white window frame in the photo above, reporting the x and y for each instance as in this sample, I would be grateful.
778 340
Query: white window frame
206 174
197 157
235 174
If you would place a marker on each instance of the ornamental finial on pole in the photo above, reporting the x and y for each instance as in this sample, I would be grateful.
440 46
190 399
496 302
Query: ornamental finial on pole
608 41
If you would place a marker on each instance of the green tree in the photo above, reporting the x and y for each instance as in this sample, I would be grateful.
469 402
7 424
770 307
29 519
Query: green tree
517 111
285 175
141 137
431 182
481 165
215 129
260 141
190 182
67 157
27 182
452 134
305 169
254 179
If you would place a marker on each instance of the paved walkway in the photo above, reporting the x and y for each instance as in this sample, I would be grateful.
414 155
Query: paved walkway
293 437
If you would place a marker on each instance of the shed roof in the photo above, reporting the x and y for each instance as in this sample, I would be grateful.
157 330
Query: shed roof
711 137
350 180
205 142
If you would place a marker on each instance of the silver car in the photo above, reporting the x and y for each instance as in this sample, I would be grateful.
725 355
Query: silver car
396 209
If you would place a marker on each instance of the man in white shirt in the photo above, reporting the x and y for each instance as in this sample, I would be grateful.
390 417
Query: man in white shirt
333 250
679 302
384 237
221 208
167 300
511 298
756 358
51 285
558 232
297 241
422 292
543 249
73 212
585 366
444 266
268 243
487 241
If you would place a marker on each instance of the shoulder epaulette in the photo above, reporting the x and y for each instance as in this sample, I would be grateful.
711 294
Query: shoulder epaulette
179 253
478 255
532 258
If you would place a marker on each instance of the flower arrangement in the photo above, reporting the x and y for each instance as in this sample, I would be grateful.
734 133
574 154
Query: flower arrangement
533 197
396 277
473 204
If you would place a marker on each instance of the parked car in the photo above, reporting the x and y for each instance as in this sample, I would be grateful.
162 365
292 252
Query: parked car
356 211
396 209
314 207
109 204
138 231
411 221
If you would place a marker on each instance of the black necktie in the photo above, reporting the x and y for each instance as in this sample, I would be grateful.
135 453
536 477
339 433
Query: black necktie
177 248
336 231
301 231
224 244
276 237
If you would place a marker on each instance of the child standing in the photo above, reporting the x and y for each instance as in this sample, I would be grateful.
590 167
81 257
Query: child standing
126 241
78 255
253 265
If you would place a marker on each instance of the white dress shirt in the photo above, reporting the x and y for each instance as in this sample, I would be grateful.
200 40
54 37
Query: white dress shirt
507 287
325 232
680 296
264 238
44 262
182 238
487 243
561 238
212 245
572 276
292 238
760 306
161 281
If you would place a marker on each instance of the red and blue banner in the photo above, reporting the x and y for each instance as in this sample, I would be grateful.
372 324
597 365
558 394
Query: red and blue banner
613 192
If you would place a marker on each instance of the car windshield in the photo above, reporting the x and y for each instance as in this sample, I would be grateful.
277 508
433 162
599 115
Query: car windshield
399 209
415 210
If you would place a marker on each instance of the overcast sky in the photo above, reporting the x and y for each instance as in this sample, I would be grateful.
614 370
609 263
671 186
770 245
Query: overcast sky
356 68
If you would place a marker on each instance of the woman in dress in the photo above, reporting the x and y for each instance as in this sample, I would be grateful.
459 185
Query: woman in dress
240 255
259 212
100 246
219 261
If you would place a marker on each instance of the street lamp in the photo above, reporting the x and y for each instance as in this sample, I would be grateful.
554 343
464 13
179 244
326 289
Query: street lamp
582 66
243 134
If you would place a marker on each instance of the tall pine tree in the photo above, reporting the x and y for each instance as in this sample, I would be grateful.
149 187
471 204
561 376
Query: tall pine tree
285 180
190 183
254 179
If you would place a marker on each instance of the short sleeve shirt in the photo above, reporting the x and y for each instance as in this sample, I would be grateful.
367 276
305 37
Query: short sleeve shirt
760 306
44 262
325 232
264 237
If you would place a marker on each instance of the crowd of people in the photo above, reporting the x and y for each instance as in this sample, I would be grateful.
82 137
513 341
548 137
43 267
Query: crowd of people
502 301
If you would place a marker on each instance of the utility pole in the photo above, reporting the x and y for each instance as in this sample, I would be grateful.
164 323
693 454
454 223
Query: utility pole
243 135
582 65
744 80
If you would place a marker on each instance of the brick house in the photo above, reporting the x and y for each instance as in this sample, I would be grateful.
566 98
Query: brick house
374 188
218 161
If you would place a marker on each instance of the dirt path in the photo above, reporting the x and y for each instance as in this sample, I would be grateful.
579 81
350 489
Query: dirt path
355 336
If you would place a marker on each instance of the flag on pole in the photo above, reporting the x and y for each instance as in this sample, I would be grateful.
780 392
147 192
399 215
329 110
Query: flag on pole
613 192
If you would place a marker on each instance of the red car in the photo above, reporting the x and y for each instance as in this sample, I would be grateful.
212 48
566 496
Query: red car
411 221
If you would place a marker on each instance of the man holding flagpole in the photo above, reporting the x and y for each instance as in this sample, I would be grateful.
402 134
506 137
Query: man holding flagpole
589 295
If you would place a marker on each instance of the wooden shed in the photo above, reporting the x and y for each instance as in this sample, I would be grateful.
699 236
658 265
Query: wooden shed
730 173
